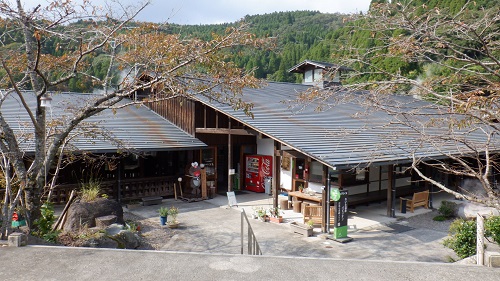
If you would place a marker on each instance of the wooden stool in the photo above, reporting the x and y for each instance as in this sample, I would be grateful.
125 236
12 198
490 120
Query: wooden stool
297 206
284 204
304 204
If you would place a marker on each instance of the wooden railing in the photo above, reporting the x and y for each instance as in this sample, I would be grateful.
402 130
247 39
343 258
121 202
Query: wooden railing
253 245
125 190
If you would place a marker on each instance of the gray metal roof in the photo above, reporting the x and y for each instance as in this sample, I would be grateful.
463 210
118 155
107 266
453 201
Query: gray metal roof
299 68
131 127
342 136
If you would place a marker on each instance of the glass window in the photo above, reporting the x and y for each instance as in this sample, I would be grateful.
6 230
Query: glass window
308 76
316 174
354 176
318 75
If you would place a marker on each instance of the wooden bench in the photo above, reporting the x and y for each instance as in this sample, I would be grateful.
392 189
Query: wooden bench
418 199
154 200
314 213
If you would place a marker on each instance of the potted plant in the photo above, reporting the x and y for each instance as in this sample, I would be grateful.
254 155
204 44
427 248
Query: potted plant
173 212
275 215
163 215
261 214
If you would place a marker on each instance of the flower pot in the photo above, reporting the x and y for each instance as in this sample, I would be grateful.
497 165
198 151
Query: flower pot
173 224
301 229
163 220
276 219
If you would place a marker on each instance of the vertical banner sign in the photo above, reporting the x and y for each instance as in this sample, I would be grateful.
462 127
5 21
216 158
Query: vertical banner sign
340 228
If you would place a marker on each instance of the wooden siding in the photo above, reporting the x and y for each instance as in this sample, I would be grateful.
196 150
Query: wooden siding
180 111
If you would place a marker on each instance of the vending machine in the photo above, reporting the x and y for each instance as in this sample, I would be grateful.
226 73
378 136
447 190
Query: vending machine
258 169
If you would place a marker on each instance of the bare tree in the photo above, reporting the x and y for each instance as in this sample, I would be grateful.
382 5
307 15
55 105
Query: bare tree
179 65
447 59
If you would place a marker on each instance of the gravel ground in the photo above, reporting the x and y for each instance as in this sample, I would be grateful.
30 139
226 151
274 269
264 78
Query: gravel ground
153 236
426 221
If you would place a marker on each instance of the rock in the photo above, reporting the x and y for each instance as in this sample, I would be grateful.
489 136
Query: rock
82 214
130 240
114 229
125 239
105 221
469 210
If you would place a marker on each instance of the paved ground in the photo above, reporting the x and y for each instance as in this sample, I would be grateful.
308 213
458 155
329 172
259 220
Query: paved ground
64 263
212 227
207 247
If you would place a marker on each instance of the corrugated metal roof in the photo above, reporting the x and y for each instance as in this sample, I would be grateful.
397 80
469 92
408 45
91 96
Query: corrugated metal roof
299 68
133 127
342 136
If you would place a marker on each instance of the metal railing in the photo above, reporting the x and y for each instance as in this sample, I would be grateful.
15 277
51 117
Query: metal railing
253 245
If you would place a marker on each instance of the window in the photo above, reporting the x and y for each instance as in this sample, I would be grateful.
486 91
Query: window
354 176
318 75
402 171
316 172
308 76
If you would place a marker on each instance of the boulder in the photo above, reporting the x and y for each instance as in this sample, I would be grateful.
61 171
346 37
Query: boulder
83 214
467 210
125 239
103 222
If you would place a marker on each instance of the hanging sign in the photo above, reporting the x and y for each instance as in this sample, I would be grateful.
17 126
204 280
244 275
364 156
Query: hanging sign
334 194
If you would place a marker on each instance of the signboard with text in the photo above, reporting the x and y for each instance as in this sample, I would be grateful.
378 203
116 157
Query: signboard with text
340 225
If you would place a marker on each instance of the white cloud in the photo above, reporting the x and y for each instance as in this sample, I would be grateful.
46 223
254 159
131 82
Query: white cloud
220 11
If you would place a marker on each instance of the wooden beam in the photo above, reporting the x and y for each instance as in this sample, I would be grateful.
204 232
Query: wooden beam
224 131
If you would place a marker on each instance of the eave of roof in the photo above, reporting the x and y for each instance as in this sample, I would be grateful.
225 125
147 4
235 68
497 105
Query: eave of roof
131 127
339 137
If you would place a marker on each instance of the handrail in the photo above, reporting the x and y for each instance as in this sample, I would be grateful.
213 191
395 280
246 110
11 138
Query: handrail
253 245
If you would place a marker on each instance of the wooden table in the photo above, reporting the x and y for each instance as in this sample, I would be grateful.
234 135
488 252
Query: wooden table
301 195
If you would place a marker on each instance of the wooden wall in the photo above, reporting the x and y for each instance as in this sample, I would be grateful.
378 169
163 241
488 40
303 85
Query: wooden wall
180 111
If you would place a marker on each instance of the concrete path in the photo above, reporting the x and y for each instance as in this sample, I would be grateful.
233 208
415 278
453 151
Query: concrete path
207 247
64 263
212 227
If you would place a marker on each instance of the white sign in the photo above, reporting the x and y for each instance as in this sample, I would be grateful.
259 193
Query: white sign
231 198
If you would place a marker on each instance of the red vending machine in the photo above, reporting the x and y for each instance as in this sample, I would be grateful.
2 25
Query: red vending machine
258 168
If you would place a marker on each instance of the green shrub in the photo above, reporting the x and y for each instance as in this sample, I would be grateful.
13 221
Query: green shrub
463 238
90 190
448 209
44 224
439 218
492 228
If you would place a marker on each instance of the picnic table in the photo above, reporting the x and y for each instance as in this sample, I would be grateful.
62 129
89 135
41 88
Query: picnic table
316 197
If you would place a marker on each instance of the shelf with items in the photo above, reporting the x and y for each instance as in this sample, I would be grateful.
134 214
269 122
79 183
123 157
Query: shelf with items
298 183
208 157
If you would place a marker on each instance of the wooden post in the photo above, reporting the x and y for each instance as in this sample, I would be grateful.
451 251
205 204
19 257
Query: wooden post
175 191
203 178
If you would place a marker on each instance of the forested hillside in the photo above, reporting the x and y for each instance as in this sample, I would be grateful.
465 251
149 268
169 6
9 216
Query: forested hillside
361 39
299 35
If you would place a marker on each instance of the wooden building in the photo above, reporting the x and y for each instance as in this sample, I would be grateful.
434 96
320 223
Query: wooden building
345 142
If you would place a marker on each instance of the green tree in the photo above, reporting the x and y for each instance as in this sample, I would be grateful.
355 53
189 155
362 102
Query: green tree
177 62
445 54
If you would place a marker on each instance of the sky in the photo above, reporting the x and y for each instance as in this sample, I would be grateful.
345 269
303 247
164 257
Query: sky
224 11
